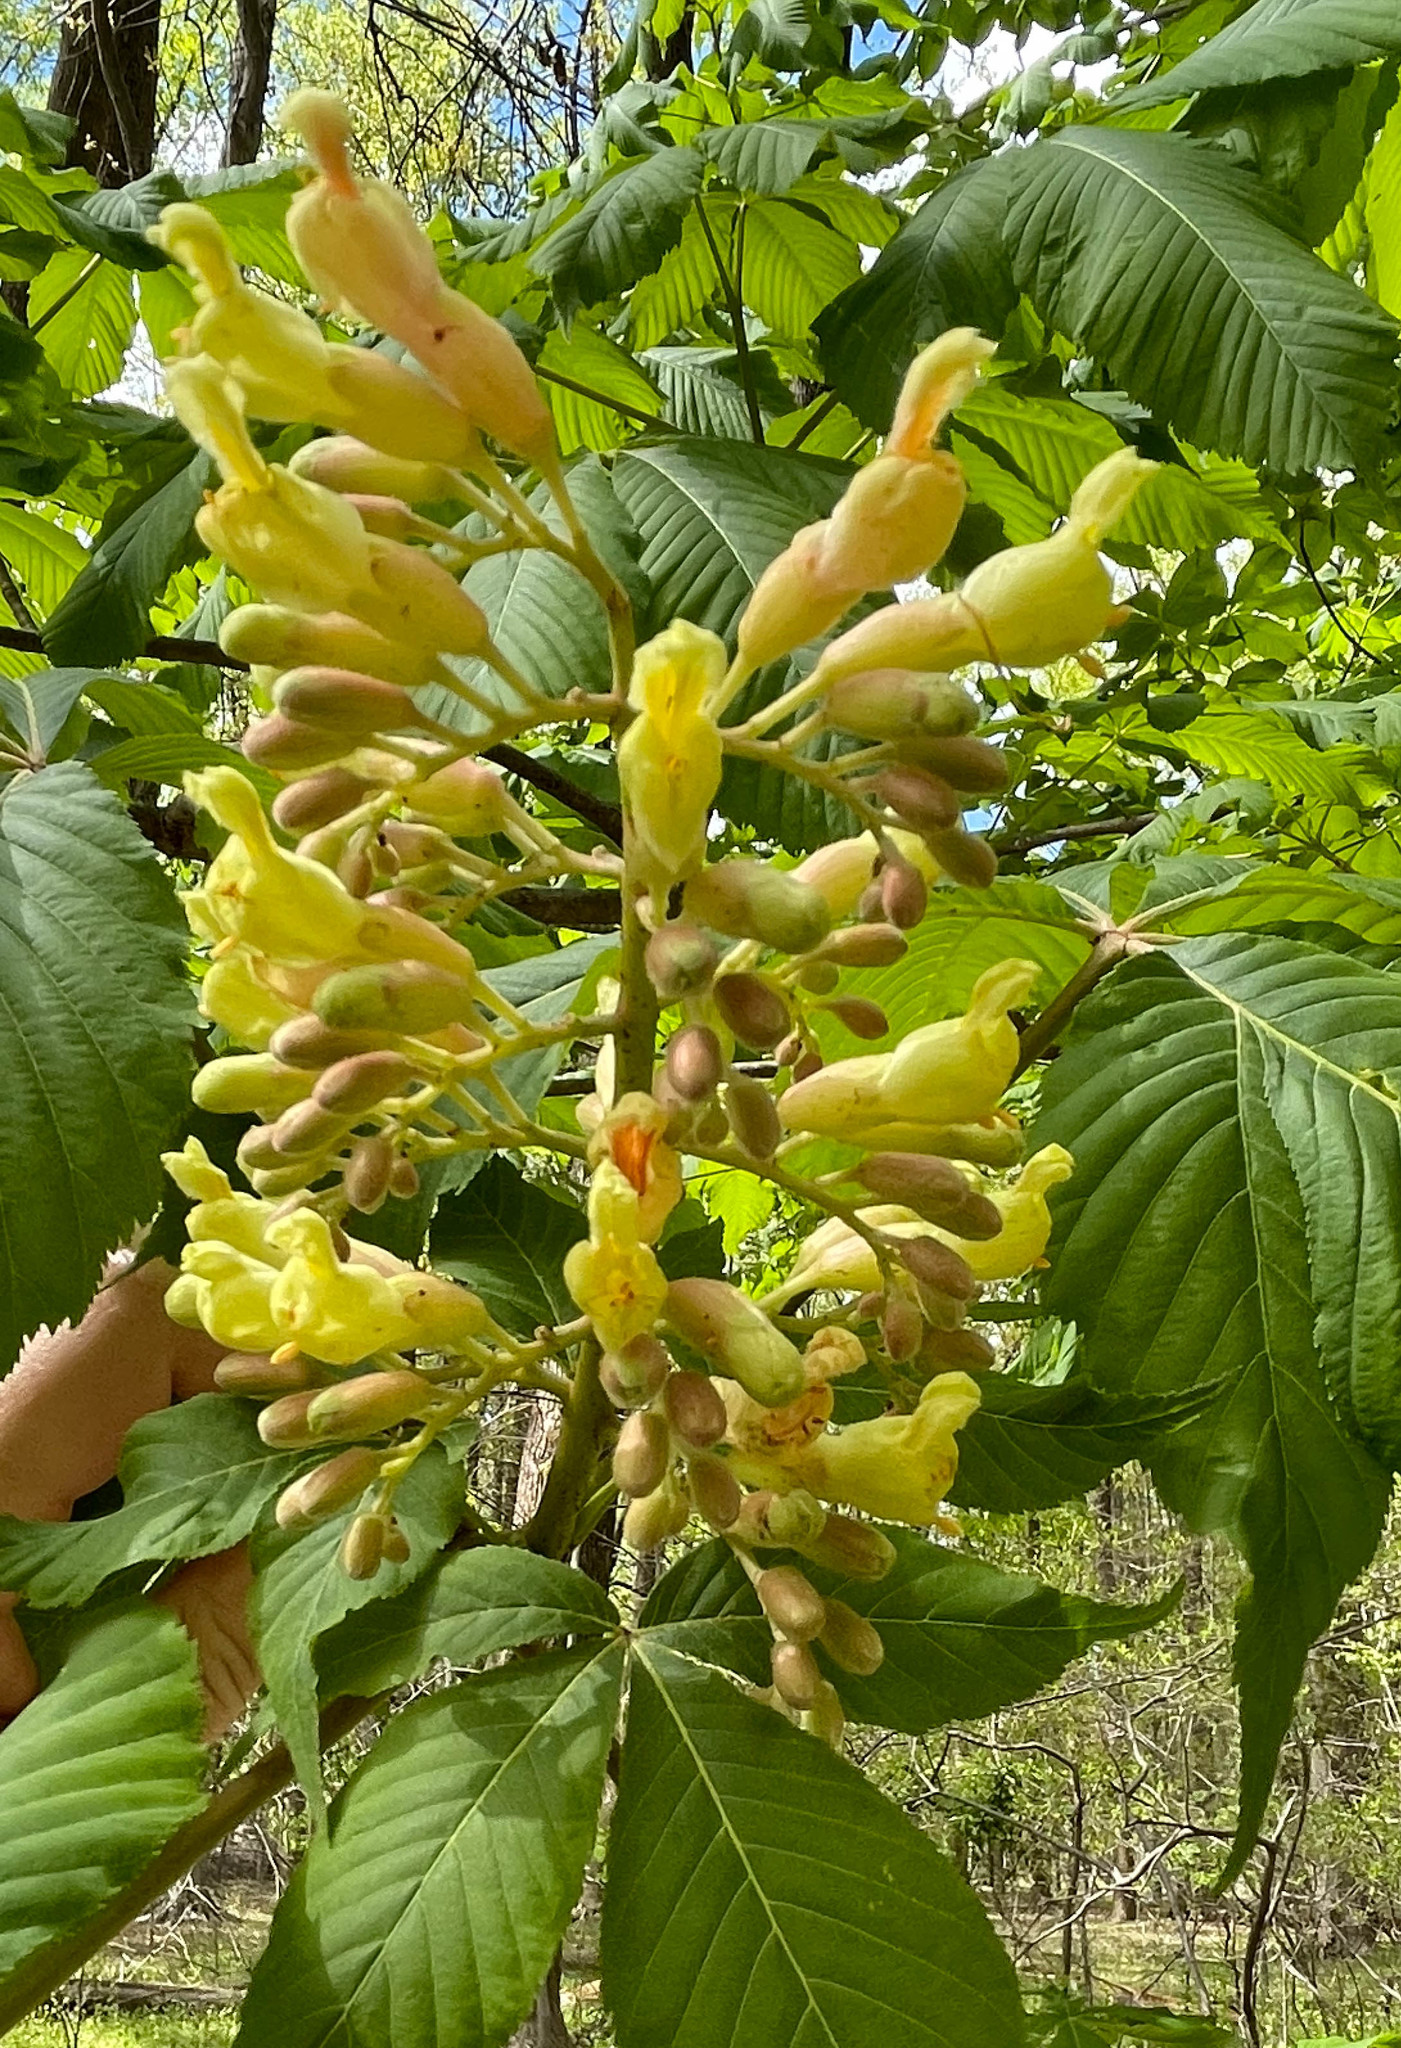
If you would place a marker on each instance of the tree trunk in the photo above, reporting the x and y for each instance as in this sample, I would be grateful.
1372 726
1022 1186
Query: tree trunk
545 2028
104 78
248 85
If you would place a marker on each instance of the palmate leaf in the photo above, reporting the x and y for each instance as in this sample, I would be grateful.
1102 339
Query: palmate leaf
431 1911
946 267
1231 1222
667 298
45 557
94 1776
585 356
106 614
621 231
1279 39
702 390
194 1480
85 337
94 1034
961 1637
506 1238
1031 1447
1179 271
761 1891
793 266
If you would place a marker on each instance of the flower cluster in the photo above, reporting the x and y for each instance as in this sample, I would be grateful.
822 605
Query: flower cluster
358 1030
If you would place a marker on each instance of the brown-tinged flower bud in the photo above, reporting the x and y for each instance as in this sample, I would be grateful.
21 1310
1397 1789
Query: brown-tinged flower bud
655 1517
901 1328
862 1018
352 1086
362 1547
825 1718
790 1050
935 1265
832 1352
850 1640
408 996
726 1326
753 1009
636 1374
252 1372
354 706
866 945
331 1487
680 959
964 857
795 1674
694 1062
283 1425
344 464
791 1602
694 1409
404 1180
318 799
748 899
753 1116
780 1521
903 894
856 1549
306 1129
274 636
285 743
357 871
415 845
810 1063
307 1042
888 703
933 1188
642 1456
971 766
370 1402
715 1491
396 1544
926 802
367 1174
960 1350
819 977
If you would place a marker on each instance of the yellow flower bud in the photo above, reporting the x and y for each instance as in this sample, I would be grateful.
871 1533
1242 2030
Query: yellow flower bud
725 1325
797 597
894 520
226 1293
748 899
342 463
365 253
669 758
950 1072
896 1467
245 1081
234 994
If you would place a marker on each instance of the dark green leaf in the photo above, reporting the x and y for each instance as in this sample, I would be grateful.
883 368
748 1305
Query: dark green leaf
1030 1447
1279 39
94 1776
432 1910
1196 1243
761 1891
194 1480
961 1637
622 230
94 1036
1211 312
300 1591
113 223
945 268
467 1607
35 706
105 616
32 132
506 1237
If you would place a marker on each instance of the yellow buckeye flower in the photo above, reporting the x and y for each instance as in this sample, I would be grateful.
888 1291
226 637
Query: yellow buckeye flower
947 1073
838 1260
336 1312
896 1467
940 377
612 1275
276 902
227 1294
630 1134
1026 1220
669 758
239 1222
444 1315
233 993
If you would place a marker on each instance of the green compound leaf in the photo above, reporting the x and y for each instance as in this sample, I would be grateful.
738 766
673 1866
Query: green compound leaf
506 1238
465 1608
106 614
94 1028
961 1637
94 1776
1212 313
622 230
1231 1224
194 1480
1031 1447
1279 39
300 1592
761 1891
431 1911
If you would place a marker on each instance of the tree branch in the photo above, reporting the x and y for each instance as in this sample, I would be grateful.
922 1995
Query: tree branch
1089 828
1041 1034
604 817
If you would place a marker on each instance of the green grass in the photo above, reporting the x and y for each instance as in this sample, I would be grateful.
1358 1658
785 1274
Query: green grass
128 2030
